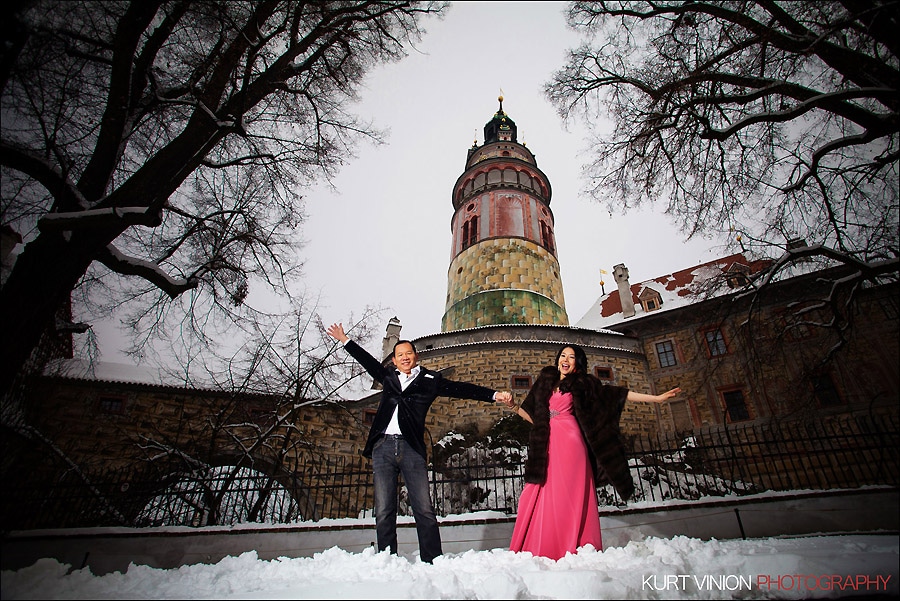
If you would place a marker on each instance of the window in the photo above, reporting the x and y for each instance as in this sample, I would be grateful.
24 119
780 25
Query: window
546 236
260 415
369 416
112 405
826 393
794 326
470 232
737 280
735 406
521 382
604 373
666 353
715 343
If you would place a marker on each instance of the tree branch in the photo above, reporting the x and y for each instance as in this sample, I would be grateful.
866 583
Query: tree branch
114 122
832 102
120 263
66 194
825 149
99 218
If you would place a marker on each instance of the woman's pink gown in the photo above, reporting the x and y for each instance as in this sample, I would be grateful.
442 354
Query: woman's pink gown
560 515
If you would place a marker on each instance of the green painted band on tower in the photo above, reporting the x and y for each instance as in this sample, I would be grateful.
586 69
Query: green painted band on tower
499 307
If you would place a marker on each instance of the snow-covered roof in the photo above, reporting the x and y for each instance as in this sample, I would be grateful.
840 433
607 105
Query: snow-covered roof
675 290
359 389
104 371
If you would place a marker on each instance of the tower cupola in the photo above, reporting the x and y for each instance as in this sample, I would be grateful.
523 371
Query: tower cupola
501 128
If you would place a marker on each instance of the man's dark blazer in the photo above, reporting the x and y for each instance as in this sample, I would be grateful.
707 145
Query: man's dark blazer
413 402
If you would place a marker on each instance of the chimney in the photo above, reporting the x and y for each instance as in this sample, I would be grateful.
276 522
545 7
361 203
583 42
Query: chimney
391 336
620 273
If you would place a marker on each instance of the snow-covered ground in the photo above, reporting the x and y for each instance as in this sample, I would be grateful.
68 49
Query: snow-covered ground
677 568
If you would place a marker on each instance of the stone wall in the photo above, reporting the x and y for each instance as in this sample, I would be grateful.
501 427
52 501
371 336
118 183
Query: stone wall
509 365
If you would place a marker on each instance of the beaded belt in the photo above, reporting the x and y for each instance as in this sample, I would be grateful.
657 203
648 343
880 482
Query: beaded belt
554 413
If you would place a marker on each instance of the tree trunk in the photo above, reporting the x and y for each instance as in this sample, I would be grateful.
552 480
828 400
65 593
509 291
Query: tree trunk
42 280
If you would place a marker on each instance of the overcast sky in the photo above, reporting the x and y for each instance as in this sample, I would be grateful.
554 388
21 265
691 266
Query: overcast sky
393 205
383 238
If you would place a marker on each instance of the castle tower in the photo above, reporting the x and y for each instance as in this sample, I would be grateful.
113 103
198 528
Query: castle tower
505 318
503 268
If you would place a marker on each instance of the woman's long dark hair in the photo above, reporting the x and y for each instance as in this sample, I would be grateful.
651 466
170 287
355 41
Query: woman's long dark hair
580 358
581 367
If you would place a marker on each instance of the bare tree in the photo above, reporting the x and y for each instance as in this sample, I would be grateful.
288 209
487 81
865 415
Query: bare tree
244 446
234 457
777 121
168 141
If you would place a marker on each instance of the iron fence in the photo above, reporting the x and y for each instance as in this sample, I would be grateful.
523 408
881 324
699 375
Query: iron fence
845 451
841 452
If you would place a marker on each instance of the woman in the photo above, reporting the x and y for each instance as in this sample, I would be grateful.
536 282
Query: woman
574 443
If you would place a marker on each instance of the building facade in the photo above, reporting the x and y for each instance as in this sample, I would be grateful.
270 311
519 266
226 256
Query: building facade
777 352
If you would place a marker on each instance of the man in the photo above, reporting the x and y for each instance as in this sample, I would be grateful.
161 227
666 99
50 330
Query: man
396 442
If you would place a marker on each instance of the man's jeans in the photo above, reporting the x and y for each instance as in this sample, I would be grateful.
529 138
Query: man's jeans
392 455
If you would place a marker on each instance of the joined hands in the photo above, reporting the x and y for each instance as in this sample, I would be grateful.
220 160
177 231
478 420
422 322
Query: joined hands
505 397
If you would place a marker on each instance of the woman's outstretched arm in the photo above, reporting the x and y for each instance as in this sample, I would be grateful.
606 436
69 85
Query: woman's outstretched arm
652 398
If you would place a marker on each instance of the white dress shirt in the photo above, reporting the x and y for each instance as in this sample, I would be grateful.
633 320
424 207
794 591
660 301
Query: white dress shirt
394 425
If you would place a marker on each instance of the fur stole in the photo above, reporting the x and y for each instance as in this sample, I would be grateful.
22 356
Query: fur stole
597 409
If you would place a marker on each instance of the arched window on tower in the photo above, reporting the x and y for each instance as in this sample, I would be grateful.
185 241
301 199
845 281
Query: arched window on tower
470 231
547 236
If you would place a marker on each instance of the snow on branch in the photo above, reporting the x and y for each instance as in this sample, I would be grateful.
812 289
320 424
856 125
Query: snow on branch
841 293
866 269
120 263
99 218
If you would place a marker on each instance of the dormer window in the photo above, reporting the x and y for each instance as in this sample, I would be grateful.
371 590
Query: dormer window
738 275
650 299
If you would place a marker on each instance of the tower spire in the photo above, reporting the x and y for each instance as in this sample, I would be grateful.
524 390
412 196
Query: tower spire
501 128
